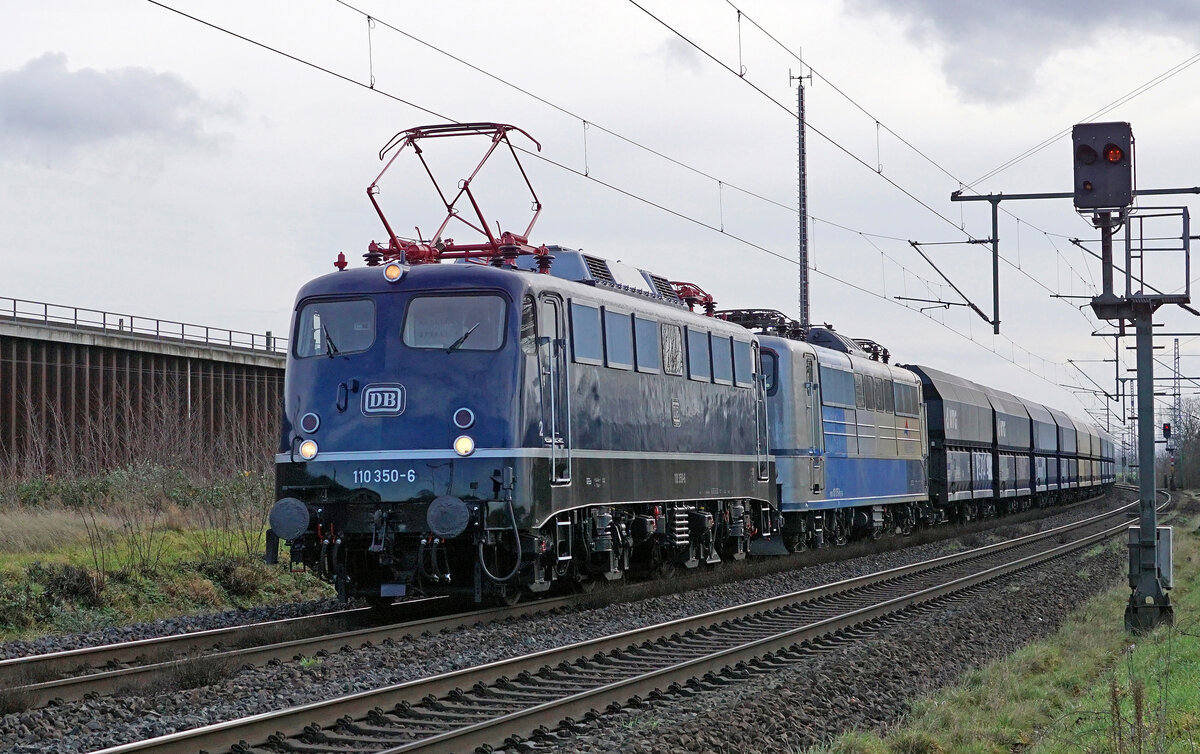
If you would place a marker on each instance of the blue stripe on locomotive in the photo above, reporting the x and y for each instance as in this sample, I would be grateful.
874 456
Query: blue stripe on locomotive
867 481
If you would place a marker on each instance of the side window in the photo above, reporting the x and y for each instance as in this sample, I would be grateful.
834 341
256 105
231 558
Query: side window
699 366
860 400
672 349
837 387
528 325
907 399
587 340
889 396
869 392
743 364
618 340
647 347
722 359
877 382
769 363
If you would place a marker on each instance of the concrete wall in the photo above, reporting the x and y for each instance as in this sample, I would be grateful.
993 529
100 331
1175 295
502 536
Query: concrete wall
97 395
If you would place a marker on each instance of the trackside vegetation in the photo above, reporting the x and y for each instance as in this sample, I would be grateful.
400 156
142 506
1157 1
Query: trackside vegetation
135 544
147 519
1091 687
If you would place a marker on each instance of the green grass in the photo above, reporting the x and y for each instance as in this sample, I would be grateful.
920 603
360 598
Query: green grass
1078 691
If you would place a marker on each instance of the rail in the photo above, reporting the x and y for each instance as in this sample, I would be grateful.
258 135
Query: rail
542 688
79 318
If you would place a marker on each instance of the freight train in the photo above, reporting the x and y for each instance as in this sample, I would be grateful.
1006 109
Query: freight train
527 418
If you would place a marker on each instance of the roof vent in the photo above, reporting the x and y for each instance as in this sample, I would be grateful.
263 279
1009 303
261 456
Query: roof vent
598 268
663 286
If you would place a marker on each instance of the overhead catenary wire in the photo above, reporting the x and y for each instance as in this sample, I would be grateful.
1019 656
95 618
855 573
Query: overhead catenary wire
808 125
625 192
1136 91
720 182
964 187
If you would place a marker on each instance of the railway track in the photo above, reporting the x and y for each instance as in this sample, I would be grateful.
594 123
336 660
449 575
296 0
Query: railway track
484 705
37 680
205 648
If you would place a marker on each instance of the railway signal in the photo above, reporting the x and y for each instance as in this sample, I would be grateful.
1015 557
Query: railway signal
1167 431
1103 165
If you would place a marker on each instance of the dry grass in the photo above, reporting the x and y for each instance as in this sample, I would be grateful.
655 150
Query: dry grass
25 531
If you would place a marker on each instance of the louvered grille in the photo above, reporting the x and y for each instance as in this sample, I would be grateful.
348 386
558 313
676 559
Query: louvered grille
663 286
598 269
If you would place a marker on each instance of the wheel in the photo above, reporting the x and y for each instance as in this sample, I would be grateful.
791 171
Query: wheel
509 597
586 585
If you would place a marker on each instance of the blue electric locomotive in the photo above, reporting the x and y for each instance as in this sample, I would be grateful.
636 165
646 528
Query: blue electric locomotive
462 428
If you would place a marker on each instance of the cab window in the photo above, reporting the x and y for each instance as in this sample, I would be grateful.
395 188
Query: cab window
769 363
334 327
455 323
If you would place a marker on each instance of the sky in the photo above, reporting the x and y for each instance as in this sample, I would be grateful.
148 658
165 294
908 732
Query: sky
157 165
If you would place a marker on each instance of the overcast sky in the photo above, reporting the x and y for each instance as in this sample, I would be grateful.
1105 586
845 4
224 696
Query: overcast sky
156 166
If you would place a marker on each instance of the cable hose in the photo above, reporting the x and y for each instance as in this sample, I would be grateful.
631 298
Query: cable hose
517 538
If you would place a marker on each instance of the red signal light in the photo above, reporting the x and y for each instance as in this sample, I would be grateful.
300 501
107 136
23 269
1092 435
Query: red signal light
1113 153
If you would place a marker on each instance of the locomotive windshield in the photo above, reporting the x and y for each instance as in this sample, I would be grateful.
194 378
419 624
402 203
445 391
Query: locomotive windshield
330 328
454 323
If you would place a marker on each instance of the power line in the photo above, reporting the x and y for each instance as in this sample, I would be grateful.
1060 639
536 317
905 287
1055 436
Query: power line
564 111
1135 92
626 139
613 187
1125 98
845 150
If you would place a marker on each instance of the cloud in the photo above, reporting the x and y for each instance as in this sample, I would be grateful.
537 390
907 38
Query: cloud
992 50
678 52
46 108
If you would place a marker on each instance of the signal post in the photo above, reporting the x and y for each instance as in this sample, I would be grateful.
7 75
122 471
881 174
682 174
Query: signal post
1104 185
1103 173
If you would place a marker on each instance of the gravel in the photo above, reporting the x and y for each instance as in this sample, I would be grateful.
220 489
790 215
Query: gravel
165 627
827 693
141 713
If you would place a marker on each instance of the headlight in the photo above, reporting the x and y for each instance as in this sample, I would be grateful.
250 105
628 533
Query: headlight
393 272
464 445
310 422
308 450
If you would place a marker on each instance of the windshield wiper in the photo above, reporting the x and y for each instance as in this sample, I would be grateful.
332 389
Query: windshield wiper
331 350
462 338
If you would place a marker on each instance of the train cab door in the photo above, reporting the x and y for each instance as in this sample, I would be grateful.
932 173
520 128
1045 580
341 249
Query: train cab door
812 401
555 387
762 450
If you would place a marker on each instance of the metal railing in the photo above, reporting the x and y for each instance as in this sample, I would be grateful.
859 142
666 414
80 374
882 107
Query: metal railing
78 318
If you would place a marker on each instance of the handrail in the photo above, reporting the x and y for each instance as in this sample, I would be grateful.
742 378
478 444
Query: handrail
80 318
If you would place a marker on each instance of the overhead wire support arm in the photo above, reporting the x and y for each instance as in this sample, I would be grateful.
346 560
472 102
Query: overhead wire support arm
937 302
995 323
1088 377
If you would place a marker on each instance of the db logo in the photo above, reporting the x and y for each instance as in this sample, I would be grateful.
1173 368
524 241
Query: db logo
383 400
